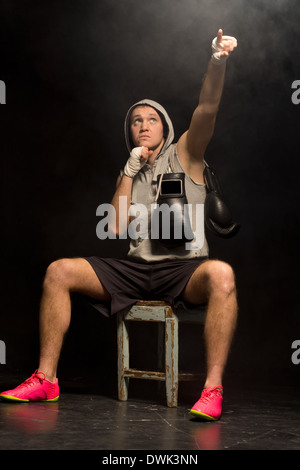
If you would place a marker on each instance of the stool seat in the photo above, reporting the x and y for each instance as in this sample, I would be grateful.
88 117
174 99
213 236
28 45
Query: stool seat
163 314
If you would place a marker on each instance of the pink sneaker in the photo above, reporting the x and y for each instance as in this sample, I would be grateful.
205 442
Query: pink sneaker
36 388
209 405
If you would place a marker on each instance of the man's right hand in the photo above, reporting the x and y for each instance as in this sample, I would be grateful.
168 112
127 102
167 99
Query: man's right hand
138 157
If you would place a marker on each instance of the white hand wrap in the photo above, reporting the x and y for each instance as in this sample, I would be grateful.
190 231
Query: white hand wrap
217 48
134 163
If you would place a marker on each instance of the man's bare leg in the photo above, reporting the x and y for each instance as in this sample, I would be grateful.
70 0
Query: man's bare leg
213 282
62 277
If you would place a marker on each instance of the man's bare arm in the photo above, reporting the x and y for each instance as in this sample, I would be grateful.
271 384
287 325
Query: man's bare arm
138 157
193 143
123 188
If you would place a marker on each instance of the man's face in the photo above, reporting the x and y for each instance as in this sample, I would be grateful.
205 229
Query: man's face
146 127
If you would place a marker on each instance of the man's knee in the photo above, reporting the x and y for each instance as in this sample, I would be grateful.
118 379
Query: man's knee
220 277
59 273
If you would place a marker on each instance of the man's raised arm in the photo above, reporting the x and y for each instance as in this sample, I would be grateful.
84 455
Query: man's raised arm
193 143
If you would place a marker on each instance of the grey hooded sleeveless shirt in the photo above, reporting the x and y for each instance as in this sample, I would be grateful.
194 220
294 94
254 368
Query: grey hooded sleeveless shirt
144 190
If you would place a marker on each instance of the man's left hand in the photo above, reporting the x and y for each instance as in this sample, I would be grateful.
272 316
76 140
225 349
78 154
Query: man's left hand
222 46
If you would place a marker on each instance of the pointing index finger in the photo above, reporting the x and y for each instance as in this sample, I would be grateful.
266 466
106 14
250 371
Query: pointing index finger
219 36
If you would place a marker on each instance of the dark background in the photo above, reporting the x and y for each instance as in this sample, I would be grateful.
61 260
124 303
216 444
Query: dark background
72 69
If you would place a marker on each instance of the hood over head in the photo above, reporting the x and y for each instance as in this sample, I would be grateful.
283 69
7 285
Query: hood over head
168 126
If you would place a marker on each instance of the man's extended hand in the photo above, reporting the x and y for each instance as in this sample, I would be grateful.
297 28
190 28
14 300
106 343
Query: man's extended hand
222 46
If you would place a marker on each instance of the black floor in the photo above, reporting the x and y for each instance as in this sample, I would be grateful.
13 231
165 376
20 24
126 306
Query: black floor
257 419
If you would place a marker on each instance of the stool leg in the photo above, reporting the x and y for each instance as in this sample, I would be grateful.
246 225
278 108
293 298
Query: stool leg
160 353
160 345
171 361
123 357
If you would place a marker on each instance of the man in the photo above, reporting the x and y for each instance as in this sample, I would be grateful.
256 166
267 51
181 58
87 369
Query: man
151 270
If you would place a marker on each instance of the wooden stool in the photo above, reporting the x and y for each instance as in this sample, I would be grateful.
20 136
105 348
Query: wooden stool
155 311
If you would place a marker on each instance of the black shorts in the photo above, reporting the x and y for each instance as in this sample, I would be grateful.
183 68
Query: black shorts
128 281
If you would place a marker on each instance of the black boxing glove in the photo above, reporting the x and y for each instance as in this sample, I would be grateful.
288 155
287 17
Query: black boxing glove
218 218
171 194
